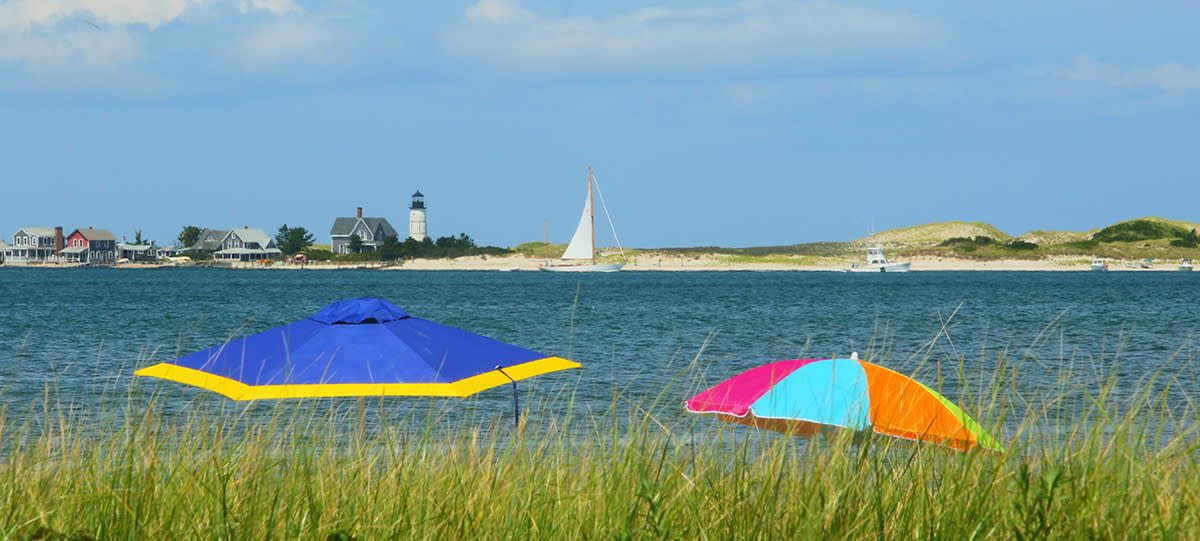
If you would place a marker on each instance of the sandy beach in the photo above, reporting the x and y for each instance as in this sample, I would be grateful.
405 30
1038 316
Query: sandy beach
670 262
712 262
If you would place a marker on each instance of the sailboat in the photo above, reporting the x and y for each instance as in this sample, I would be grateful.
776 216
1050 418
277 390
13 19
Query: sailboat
581 252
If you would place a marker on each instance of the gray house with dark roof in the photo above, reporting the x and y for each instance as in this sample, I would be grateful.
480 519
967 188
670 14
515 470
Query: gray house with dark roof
137 252
247 244
371 231
208 242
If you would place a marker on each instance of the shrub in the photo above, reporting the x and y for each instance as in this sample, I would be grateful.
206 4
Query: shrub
1138 230
1022 245
316 254
1082 244
956 241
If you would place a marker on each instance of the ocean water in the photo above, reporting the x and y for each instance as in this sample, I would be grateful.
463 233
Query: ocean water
645 339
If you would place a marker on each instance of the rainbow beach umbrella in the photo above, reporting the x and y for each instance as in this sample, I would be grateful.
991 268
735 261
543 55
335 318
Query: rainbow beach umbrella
358 347
806 396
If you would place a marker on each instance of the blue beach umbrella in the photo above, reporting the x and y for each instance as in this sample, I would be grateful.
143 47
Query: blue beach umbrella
358 347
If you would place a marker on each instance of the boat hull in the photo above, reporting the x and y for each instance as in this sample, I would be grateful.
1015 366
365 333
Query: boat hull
890 267
608 267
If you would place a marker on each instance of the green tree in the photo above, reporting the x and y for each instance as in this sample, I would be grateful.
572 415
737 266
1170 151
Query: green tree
355 243
137 238
293 240
189 235
391 249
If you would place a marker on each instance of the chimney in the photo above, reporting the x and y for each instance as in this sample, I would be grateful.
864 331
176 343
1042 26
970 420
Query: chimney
58 240
360 212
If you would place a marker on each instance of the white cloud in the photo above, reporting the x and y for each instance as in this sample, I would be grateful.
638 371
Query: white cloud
281 41
78 48
738 36
66 36
499 11
277 7
1169 77
23 14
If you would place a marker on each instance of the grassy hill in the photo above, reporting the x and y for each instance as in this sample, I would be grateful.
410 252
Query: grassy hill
934 233
1148 228
1150 237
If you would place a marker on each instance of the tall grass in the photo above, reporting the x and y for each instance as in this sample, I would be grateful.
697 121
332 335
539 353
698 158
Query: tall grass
1091 458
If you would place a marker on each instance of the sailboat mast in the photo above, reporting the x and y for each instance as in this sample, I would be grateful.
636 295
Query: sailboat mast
592 215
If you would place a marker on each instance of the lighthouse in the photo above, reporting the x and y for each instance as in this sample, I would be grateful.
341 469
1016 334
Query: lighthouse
416 217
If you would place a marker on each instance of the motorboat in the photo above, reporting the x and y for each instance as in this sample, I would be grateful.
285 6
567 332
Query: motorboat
877 262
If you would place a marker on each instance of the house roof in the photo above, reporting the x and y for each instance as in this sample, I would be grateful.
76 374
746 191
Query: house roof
93 234
39 231
74 250
252 234
343 226
209 245
4 245
135 247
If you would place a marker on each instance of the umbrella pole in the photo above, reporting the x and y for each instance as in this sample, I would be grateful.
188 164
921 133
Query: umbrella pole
516 405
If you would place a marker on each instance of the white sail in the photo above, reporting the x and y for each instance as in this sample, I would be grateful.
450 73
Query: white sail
581 244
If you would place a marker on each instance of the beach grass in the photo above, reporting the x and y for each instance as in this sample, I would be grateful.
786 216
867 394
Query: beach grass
1093 456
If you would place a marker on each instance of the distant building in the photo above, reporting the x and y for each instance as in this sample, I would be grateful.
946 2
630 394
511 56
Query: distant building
5 251
371 231
34 245
208 242
163 252
92 246
246 244
416 217
137 252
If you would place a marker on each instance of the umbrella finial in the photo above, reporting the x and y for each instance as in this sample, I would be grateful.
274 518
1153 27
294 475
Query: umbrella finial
853 355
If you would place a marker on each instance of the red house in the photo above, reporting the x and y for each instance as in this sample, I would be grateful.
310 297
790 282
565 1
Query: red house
91 246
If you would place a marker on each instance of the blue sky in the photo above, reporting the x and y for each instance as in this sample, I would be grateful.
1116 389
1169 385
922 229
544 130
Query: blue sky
706 123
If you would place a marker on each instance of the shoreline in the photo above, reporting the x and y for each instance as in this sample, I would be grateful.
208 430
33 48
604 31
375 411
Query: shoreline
666 263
